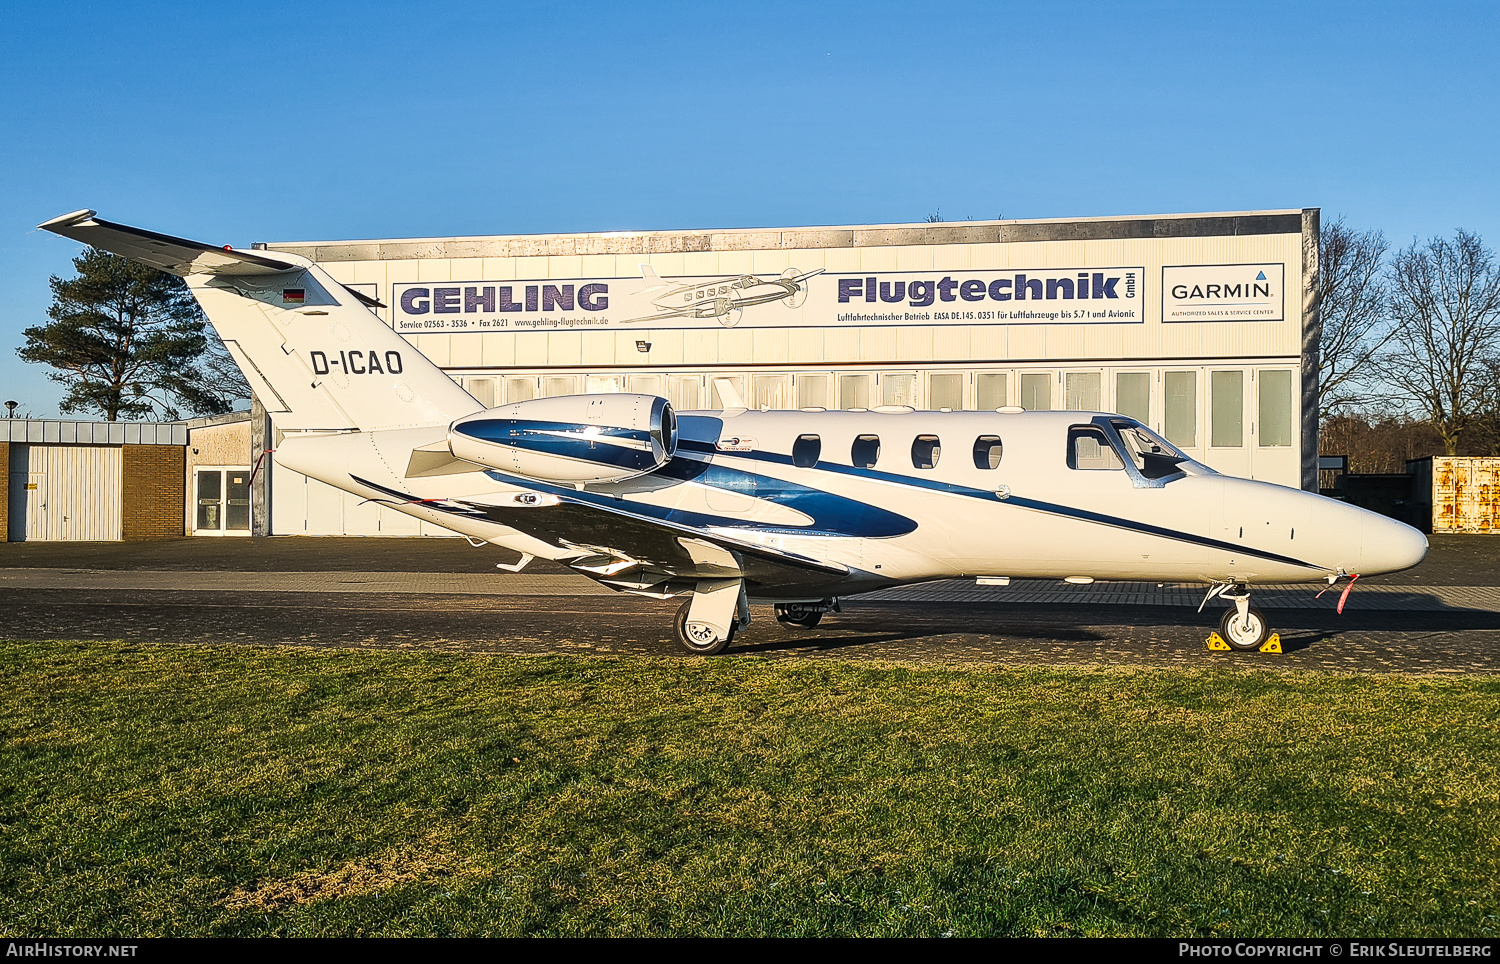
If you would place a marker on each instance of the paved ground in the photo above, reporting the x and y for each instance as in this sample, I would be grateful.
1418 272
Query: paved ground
1442 617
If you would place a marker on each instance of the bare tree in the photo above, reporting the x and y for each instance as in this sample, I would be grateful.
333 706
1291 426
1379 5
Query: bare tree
1356 323
1445 300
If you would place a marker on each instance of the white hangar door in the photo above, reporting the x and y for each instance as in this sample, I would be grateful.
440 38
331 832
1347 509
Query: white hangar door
66 493
301 506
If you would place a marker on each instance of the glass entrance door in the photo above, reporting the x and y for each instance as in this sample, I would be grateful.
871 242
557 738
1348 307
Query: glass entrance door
221 503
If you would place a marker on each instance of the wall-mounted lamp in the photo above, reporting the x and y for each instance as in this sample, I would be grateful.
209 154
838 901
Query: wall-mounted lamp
12 405
642 345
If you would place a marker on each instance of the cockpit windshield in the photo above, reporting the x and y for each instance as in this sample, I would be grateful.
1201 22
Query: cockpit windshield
1154 456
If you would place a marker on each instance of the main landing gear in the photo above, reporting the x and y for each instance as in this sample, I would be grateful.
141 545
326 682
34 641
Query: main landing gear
804 615
706 623
1243 628
718 608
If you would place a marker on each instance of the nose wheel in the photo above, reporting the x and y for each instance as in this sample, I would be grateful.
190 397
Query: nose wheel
1244 627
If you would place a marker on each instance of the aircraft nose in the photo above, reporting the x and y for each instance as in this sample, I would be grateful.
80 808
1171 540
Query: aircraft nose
1388 545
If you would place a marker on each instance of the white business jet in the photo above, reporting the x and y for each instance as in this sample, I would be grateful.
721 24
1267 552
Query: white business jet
799 508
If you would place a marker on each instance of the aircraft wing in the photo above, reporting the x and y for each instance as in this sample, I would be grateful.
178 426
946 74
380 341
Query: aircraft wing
627 550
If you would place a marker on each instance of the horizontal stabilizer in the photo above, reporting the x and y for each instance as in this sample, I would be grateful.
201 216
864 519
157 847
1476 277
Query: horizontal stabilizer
177 256
312 350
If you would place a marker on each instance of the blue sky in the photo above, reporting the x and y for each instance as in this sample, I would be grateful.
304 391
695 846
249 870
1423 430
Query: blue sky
233 123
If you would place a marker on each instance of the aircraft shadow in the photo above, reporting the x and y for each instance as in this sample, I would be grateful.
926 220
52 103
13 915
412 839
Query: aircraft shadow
874 622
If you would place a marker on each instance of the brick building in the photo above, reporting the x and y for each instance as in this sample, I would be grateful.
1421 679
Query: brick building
91 481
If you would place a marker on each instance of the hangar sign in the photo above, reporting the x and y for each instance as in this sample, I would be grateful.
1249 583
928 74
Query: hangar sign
793 298
1223 292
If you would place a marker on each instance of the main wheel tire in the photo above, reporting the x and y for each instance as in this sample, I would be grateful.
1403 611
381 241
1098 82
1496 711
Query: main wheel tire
798 618
698 639
1245 635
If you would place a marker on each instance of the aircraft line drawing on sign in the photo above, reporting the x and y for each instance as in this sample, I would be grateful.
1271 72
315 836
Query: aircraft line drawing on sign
721 298
718 507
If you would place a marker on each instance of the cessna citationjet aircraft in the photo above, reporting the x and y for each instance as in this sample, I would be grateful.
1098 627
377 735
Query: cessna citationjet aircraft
798 508
721 298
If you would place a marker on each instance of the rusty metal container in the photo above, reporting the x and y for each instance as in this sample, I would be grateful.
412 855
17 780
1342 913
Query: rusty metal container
1462 492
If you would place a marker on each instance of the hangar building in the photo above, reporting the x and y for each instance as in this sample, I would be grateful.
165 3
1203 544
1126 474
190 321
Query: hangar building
1203 326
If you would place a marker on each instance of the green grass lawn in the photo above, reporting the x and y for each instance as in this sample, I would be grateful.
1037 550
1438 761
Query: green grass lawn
166 790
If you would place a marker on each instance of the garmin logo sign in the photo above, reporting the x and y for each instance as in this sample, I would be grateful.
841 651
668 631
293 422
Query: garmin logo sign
1223 292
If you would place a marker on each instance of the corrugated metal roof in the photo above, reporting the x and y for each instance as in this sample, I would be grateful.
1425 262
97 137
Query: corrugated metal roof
60 432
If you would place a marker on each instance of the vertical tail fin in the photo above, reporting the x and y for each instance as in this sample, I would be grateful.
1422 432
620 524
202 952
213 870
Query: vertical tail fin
312 350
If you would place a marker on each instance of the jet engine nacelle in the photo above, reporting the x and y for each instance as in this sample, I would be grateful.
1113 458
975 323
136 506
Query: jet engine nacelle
571 438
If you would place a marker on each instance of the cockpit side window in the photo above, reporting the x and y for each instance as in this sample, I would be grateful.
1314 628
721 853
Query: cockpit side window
925 451
866 451
1089 448
805 451
987 451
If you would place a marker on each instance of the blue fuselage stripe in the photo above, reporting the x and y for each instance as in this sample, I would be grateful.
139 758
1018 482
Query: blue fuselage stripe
949 488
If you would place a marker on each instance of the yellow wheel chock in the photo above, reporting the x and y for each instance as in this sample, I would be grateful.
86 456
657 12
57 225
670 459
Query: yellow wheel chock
1216 642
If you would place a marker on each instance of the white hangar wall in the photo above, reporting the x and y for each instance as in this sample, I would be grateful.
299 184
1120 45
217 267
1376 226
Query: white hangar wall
1204 326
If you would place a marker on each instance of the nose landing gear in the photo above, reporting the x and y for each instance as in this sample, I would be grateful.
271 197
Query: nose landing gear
1243 628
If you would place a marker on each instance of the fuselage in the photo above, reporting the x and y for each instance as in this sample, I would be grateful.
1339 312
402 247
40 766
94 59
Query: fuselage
902 496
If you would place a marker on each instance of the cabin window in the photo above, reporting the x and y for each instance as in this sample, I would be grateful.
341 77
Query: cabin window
805 451
1089 448
866 451
987 452
925 451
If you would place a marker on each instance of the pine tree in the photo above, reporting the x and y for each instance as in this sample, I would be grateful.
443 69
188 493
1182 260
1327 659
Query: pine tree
130 342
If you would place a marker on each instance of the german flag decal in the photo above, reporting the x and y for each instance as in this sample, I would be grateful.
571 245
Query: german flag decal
292 296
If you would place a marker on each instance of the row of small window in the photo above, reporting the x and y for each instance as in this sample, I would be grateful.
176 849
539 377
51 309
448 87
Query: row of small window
1081 391
925 451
